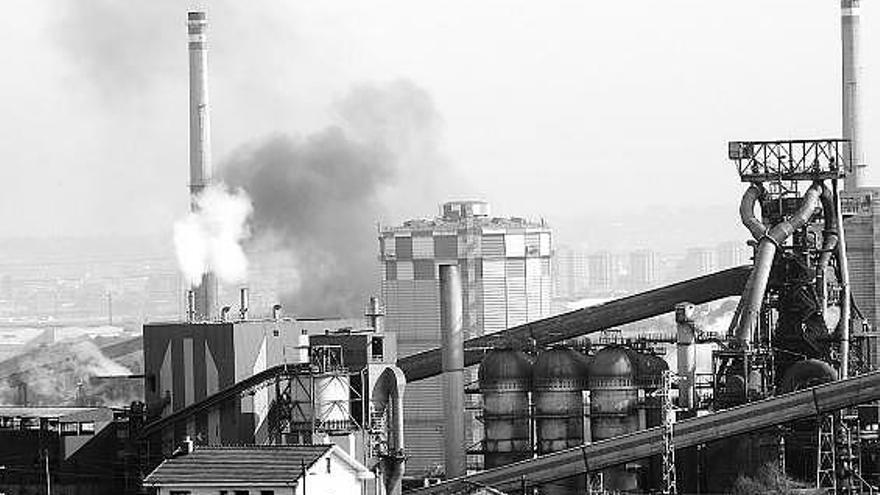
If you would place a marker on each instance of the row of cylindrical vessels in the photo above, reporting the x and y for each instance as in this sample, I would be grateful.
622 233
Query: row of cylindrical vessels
563 398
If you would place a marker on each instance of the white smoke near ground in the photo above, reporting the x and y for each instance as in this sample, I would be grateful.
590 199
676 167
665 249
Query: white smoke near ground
64 373
209 239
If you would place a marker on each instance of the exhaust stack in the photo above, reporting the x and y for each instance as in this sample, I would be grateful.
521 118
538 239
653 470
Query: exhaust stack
200 145
850 34
453 369
243 303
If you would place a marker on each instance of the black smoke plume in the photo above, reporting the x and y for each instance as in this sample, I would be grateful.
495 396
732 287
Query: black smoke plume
317 198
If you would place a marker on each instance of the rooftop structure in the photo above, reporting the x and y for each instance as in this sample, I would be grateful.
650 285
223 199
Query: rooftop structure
263 469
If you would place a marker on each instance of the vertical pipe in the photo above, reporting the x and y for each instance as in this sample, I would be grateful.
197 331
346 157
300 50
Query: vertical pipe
453 368
243 303
200 144
687 354
845 296
852 95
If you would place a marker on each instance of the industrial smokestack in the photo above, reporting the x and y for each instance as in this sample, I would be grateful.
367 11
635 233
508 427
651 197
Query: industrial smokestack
374 313
850 33
453 368
200 144
243 303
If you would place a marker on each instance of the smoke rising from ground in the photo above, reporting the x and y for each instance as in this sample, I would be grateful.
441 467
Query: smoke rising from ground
317 198
209 239
54 374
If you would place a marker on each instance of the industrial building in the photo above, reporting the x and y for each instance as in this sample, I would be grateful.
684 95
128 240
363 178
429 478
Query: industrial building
506 279
70 449
275 381
794 380
263 470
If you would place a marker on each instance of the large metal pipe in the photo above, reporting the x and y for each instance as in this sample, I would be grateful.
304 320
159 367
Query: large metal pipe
687 354
850 34
845 291
544 332
200 145
766 251
452 339
830 237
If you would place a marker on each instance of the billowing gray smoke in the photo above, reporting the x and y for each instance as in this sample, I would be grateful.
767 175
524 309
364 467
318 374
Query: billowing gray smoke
317 198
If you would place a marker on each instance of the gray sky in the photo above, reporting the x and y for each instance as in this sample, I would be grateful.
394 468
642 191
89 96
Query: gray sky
559 109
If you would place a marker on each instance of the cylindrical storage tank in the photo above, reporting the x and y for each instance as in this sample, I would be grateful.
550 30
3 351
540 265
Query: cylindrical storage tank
505 378
648 369
558 381
614 406
332 406
298 353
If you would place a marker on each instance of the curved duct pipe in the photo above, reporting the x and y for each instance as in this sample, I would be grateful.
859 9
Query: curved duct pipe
764 254
747 211
829 243
388 395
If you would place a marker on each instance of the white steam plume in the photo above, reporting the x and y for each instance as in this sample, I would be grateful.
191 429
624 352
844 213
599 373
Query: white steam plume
209 239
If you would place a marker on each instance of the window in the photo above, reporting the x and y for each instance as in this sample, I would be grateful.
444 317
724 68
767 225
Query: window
30 423
88 428
267 492
242 492
180 492
377 348
328 465
69 429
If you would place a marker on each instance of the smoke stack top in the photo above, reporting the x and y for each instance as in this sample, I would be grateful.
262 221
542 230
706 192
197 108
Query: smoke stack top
850 34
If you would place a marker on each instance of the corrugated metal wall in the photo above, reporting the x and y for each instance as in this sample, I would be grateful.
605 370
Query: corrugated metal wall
533 288
494 296
515 283
423 246
446 247
493 245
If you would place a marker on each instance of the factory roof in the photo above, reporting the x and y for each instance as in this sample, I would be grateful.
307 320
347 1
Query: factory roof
245 465
452 225
54 412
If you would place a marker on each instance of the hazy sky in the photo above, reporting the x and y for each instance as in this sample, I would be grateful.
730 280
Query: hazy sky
562 109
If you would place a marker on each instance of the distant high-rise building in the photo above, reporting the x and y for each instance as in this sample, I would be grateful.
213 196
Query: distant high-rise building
731 254
602 272
506 281
570 274
697 262
642 269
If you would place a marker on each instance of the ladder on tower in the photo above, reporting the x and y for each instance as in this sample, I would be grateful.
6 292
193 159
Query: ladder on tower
839 467
668 414
826 465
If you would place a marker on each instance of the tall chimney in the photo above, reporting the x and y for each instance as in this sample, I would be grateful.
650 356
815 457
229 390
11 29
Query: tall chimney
452 352
852 93
200 145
